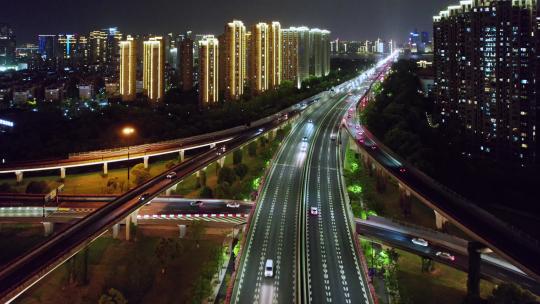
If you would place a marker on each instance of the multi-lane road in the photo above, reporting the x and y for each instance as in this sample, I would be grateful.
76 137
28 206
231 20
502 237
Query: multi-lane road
314 256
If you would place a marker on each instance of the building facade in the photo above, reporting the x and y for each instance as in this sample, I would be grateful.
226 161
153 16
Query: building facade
186 64
234 59
128 69
209 70
154 68
7 45
486 67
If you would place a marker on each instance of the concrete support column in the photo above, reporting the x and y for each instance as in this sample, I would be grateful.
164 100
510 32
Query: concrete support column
19 176
62 173
146 162
134 217
48 228
182 230
221 162
128 228
168 192
198 174
473 273
440 220
105 168
115 229
182 155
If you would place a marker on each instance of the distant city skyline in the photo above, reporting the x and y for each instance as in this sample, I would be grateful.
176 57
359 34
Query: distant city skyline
346 19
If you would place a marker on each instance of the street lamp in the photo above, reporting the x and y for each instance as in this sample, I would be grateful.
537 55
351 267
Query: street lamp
128 132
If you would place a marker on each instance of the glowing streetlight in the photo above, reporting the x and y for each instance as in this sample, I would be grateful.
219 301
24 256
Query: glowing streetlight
128 132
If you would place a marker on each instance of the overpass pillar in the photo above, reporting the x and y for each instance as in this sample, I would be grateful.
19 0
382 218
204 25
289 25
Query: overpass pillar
48 228
473 273
221 162
182 155
128 228
62 173
198 174
146 162
134 217
19 176
440 220
182 229
105 168
115 229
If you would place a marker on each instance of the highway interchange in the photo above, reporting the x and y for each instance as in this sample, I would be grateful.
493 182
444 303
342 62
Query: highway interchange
314 255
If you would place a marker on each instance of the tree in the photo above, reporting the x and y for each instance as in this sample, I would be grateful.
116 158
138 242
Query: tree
140 174
166 251
252 149
112 296
38 187
206 192
6 188
202 178
197 231
241 170
227 175
507 293
237 156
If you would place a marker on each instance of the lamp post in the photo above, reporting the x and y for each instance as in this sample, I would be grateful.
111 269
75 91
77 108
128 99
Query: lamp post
128 132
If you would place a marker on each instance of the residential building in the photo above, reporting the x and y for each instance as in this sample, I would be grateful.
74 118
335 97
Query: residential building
154 68
128 69
186 64
209 70
486 70
7 45
234 59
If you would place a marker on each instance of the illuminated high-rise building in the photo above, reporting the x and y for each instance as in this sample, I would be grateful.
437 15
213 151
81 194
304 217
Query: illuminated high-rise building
186 64
208 70
73 49
275 54
259 57
7 45
486 60
154 68
289 66
234 59
98 47
128 69
319 52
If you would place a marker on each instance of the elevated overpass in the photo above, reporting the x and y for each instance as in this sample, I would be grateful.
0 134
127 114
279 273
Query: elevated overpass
400 236
26 271
507 241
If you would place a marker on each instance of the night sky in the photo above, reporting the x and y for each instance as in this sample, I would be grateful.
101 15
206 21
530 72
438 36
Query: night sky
347 19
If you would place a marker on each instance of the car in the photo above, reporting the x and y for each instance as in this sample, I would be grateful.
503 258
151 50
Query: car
233 205
171 175
310 121
357 127
445 255
333 137
420 242
261 130
221 150
144 197
196 204
314 211
374 147
305 138
269 268
402 170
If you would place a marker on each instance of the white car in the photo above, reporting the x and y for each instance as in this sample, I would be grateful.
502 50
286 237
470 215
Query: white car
420 242
445 255
333 137
269 268
171 175
233 205
314 211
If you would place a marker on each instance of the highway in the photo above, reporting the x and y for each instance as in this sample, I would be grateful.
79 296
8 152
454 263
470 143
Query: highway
399 236
315 259
508 242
